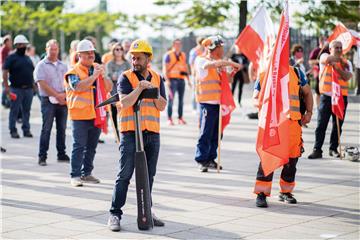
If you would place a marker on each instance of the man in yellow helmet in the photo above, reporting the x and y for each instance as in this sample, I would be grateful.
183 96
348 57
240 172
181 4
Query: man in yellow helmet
130 85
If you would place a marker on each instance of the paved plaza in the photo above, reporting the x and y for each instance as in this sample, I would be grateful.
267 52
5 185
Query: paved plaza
39 202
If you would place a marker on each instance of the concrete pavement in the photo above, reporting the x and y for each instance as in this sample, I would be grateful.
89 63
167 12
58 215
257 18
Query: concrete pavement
39 203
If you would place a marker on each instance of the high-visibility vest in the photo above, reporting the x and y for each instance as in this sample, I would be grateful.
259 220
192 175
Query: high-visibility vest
176 65
150 115
208 88
325 84
293 88
80 103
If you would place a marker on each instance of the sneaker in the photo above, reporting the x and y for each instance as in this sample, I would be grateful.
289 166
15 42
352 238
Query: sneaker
42 161
76 182
28 134
181 121
315 154
114 223
63 158
287 197
170 122
334 153
212 164
89 179
157 221
14 135
203 167
261 200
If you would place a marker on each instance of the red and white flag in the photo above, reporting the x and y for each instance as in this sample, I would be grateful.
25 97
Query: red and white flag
257 38
273 133
342 34
337 100
227 103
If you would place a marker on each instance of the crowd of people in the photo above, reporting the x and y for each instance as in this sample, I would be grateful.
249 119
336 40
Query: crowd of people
71 91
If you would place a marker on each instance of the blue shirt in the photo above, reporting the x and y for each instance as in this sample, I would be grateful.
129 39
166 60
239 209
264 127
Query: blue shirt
124 86
303 80
20 69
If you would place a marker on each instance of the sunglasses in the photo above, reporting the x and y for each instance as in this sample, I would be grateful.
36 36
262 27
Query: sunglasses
118 49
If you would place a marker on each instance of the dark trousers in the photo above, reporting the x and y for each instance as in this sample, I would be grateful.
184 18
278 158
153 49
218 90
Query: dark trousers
357 79
127 166
23 100
86 137
176 85
238 81
209 131
49 113
287 173
324 115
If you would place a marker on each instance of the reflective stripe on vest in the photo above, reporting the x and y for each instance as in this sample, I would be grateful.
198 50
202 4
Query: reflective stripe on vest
176 65
150 115
325 84
209 87
80 103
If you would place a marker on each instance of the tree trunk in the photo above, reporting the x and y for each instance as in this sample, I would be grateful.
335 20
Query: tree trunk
242 14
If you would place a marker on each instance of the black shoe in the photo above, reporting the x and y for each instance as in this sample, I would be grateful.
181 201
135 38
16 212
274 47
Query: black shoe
334 153
28 134
261 200
63 158
315 154
14 135
203 167
254 115
101 141
42 161
157 221
213 165
287 197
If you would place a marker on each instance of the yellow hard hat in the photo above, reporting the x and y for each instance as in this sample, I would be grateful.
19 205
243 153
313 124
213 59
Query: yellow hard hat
141 46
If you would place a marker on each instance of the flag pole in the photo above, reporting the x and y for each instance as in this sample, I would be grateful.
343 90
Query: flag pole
219 139
113 126
338 132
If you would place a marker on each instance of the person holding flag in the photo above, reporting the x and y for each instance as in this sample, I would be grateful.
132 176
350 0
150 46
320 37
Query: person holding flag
334 77
85 88
209 92
279 140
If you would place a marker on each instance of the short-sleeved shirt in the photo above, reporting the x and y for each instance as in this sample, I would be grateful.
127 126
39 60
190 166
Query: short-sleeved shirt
52 73
20 69
192 55
124 86
303 81
4 53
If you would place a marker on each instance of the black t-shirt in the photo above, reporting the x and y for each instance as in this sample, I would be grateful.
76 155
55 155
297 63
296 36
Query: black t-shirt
241 59
20 69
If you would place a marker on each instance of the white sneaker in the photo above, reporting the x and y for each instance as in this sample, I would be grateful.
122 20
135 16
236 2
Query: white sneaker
76 182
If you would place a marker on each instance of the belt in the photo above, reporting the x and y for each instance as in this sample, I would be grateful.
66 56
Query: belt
23 86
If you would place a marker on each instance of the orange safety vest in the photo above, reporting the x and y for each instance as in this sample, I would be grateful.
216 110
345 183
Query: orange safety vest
150 115
176 65
209 87
325 84
80 103
293 88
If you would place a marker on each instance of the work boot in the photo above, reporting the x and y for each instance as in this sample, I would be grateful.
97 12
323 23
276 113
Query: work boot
28 134
14 135
203 167
63 158
261 200
315 154
157 221
170 122
42 161
114 223
181 121
213 165
89 179
334 153
287 197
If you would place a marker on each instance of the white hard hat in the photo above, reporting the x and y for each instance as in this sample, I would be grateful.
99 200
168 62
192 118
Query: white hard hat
20 39
84 46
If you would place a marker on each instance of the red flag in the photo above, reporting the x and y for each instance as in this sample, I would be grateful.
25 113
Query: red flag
256 40
227 103
337 100
273 133
100 120
342 34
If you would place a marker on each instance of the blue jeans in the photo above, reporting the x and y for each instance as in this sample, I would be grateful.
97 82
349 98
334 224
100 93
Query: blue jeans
86 137
127 166
176 85
49 112
322 123
209 131
23 100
